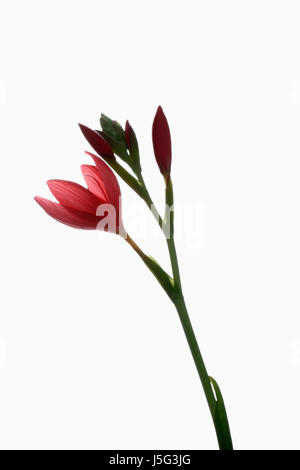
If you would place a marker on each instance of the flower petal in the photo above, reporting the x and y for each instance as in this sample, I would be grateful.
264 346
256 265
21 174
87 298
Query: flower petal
96 141
74 196
94 182
110 182
66 216
112 189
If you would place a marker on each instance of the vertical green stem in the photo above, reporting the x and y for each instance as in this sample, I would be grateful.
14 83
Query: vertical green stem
192 342
174 263
216 406
149 202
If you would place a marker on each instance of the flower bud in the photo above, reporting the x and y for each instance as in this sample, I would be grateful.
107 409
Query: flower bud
161 138
114 134
98 143
132 145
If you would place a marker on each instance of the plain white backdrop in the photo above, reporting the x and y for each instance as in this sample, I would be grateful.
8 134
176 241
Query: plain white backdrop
92 354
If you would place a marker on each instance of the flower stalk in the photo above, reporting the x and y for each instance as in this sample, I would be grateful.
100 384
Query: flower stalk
86 208
210 387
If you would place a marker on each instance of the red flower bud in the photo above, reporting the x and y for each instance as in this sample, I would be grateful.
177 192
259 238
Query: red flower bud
128 133
96 141
78 206
161 138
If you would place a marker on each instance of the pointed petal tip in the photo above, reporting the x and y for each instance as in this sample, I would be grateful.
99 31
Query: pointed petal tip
93 156
96 140
51 183
159 115
85 130
90 154
42 201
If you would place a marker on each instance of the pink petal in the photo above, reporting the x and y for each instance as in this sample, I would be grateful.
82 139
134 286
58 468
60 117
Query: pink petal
94 182
110 182
74 196
112 188
96 141
66 216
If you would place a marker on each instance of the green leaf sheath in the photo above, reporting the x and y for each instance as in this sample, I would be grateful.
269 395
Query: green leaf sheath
159 273
221 420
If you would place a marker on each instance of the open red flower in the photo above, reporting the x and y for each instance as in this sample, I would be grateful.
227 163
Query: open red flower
161 139
98 207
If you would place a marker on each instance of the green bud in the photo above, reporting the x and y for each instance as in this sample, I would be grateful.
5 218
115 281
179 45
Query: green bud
114 134
133 147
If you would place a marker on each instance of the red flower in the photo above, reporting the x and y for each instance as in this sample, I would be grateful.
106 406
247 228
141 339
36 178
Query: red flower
98 143
161 138
98 207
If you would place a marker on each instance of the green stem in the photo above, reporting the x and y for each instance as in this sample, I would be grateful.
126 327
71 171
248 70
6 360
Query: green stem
216 404
192 341
174 263
216 407
147 198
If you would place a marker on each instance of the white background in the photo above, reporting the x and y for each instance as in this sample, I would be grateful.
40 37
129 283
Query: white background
92 354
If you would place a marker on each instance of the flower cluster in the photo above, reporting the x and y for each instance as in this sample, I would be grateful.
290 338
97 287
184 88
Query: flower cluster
87 208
